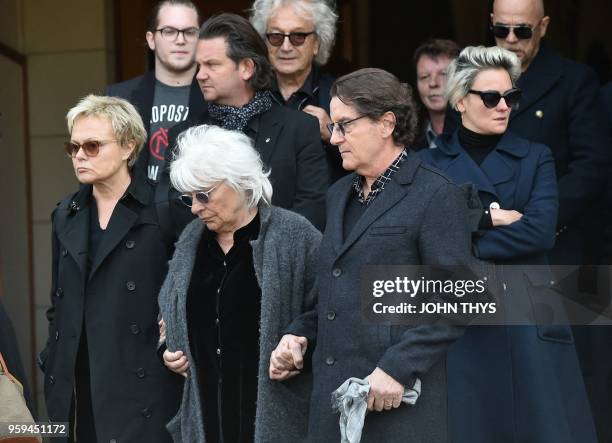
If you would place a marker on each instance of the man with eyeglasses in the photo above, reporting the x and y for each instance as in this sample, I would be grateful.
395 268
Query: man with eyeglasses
392 210
235 77
169 94
561 108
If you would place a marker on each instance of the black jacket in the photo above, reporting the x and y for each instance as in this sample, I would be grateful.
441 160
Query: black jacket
289 144
561 108
133 394
140 92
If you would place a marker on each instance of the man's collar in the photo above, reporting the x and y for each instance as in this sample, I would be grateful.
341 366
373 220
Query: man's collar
310 85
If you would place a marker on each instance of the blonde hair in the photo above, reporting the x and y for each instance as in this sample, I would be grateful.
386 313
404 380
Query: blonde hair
124 118
473 60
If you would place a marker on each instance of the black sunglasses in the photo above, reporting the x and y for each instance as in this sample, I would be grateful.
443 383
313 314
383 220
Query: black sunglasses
492 98
201 196
295 38
91 148
341 125
522 32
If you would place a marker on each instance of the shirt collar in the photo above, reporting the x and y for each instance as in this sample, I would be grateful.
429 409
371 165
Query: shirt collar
379 184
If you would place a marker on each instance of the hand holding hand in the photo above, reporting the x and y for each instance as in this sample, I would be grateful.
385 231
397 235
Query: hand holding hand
176 362
385 391
323 118
288 357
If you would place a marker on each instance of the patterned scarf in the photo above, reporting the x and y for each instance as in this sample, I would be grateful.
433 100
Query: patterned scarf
235 118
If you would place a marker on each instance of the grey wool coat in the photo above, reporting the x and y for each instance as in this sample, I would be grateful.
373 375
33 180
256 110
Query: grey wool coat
284 257
419 219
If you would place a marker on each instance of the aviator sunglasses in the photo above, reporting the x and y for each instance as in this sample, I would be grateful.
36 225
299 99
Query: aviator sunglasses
492 98
201 196
522 32
91 148
295 38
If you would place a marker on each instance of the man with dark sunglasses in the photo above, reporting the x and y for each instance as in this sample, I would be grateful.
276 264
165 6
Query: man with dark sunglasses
169 94
561 108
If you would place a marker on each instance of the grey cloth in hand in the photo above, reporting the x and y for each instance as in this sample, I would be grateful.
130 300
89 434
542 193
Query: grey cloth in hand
351 401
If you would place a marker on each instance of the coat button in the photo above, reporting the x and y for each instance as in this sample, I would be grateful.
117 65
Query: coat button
135 329
337 272
52 379
64 252
140 373
112 440
56 335
59 292
330 361
147 413
218 351
331 315
130 244
130 285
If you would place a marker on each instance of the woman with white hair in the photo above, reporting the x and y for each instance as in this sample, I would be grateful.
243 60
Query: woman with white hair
300 36
102 374
508 383
241 272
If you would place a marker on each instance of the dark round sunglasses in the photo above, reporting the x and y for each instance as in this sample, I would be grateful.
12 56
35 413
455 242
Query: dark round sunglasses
91 148
295 38
201 196
522 32
492 98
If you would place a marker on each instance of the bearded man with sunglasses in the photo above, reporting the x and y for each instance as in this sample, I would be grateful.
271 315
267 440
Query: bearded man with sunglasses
169 94
561 108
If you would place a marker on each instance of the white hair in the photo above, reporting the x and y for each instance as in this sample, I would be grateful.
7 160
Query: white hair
323 17
471 61
207 155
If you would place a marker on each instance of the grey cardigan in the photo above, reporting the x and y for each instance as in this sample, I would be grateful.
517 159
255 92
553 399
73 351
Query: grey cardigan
284 257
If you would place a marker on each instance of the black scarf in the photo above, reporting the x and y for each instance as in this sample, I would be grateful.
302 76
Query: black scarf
232 117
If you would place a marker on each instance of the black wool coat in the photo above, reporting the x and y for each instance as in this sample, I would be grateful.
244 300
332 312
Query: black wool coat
133 394
561 108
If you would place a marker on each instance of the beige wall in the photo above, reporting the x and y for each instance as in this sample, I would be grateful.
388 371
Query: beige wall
68 45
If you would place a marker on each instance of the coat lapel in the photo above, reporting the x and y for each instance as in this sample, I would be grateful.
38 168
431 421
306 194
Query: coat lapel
74 234
457 163
394 191
268 132
337 209
122 221
540 77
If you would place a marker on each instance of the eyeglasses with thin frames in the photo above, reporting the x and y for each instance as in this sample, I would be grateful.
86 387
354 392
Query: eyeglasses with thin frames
295 38
170 34
342 125
201 196
91 148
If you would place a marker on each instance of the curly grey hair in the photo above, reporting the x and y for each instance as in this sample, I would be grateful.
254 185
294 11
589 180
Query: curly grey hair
471 61
320 12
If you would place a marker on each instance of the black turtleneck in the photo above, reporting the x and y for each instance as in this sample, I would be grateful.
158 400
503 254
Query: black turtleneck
478 146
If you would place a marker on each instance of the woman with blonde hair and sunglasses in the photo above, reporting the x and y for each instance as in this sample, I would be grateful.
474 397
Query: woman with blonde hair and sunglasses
508 383
101 370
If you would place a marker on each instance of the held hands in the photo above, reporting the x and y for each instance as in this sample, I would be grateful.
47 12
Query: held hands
385 393
323 118
162 330
504 217
288 357
176 362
